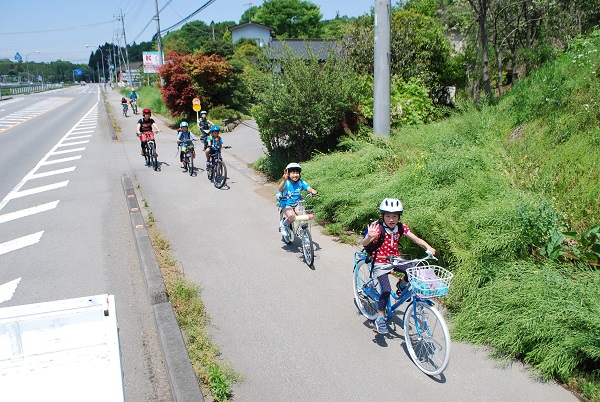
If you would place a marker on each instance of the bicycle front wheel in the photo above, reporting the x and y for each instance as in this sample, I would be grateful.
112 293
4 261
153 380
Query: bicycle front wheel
210 171
153 158
364 289
190 166
427 337
308 248
147 155
220 175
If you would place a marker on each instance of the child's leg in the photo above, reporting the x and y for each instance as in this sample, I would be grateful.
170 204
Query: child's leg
384 282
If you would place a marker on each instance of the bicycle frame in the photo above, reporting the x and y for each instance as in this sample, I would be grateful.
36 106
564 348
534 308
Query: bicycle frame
406 294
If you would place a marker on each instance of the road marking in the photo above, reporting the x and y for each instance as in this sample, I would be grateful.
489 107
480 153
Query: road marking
21 242
8 290
52 172
72 143
81 136
66 151
36 190
31 112
27 212
55 161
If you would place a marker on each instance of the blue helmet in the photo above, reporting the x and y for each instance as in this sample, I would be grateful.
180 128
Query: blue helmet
183 124
215 128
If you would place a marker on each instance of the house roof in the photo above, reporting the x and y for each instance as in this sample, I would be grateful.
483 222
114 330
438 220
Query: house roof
249 24
301 47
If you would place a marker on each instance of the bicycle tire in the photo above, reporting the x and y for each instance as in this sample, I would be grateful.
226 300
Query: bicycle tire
154 161
308 247
147 155
210 171
190 166
361 278
220 174
427 337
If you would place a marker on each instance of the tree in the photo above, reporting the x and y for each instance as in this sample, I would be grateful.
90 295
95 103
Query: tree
307 107
290 18
189 76
248 15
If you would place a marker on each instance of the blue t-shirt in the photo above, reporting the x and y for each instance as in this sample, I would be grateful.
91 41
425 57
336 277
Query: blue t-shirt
185 138
213 146
133 96
291 192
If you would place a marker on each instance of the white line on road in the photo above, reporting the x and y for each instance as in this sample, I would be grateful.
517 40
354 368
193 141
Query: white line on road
67 144
66 151
36 190
52 172
80 136
20 242
55 161
27 212
8 290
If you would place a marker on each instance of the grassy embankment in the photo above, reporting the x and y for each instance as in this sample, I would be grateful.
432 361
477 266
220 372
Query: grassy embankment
487 188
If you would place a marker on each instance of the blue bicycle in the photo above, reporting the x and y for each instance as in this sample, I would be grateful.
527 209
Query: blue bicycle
425 331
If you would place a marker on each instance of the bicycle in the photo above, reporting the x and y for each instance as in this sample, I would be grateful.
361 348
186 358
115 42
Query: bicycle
150 154
425 331
134 108
125 109
188 157
216 170
301 229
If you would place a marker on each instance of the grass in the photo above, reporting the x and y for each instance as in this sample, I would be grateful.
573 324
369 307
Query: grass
214 375
487 188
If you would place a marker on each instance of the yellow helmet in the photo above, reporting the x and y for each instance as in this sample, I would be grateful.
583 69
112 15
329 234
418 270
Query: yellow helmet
132 89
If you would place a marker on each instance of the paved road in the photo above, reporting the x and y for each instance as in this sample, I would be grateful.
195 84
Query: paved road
293 332
64 223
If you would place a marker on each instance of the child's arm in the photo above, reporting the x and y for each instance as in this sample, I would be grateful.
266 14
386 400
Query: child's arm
372 233
285 178
417 240
311 190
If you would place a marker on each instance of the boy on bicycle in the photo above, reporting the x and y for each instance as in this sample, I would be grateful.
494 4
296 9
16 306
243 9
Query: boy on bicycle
184 139
290 188
213 143
390 227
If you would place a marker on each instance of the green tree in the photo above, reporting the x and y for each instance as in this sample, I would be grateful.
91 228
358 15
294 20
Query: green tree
248 15
290 18
307 107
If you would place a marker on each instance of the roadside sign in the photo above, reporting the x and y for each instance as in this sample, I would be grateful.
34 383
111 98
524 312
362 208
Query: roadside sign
196 104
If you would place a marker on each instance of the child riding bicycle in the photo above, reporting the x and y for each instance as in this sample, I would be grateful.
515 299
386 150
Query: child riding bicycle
184 139
213 143
382 238
146 127
290 193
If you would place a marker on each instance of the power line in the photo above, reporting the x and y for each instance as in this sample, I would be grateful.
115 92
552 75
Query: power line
208 3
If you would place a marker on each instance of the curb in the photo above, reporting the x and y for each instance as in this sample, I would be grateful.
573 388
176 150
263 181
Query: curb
182 378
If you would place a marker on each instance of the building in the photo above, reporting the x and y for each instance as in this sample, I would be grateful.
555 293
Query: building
252 30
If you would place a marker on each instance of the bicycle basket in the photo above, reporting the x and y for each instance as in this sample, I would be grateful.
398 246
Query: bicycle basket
429 281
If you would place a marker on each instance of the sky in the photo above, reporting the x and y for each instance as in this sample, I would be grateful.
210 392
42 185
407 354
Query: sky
61 29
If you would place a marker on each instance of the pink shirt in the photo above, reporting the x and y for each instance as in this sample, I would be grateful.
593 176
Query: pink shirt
390 244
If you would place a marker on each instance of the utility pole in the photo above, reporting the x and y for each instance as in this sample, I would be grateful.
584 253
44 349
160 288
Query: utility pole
381 93
158 39
126 51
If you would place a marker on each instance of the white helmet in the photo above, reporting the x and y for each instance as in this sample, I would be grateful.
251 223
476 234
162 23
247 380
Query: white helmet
293 166
391 205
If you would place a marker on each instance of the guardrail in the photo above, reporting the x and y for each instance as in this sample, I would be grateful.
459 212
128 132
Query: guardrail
26 89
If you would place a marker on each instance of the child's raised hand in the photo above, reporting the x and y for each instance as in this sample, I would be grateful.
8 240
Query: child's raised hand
285 175
373 229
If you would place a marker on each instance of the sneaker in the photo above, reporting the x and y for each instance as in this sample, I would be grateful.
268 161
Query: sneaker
400 287
184 170
381 326
207 164
143 153
284 232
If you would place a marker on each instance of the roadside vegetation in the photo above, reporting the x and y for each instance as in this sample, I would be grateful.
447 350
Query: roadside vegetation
493 188
215 375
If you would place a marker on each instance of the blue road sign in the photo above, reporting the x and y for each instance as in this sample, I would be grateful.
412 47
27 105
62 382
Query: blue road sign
18 57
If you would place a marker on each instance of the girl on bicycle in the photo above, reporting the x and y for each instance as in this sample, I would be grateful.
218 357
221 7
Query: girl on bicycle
289 189
213 143
184 139
390 227
146 126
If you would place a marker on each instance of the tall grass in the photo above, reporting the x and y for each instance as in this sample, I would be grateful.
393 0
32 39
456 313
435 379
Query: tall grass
487 188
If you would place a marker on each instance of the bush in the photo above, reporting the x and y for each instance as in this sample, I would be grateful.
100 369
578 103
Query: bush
308 106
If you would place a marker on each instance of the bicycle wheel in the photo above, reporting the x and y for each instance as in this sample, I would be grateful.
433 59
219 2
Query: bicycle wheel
362 281
220 176
154 160
147 155
210 170
427 337
308 248
190 165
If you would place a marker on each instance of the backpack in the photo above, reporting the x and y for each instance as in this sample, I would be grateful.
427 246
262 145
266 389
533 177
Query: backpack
371 248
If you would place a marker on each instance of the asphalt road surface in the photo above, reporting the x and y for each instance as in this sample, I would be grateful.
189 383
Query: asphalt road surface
64 224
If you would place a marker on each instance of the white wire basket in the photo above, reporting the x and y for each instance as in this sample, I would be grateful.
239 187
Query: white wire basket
429 281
